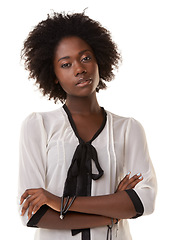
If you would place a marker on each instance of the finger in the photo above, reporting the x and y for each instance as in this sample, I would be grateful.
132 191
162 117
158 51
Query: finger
136 176
23 197
27 203
24 208
30 211
32 206
26 194
127 183
123 182
134 181
37 206
37 203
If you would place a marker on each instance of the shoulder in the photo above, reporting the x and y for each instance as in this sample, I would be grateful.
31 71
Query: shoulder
128 125
44 116
43 119
135 132
127 121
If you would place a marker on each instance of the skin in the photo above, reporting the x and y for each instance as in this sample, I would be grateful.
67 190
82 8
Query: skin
74 59
75 62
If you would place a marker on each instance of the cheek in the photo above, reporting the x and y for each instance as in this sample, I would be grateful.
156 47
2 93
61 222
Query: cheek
57 72
96 72
61 76
65 88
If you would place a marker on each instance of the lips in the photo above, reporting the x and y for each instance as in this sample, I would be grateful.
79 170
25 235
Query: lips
83 81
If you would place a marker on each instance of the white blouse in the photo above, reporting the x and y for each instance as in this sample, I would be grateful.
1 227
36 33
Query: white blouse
47 145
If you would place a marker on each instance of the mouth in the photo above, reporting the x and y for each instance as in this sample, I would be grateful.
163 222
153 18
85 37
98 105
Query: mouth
84 82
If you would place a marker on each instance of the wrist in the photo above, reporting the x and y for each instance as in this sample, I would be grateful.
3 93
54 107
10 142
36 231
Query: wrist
66 203
54 202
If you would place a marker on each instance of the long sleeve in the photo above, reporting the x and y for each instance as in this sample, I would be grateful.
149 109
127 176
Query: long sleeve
137 160
32 162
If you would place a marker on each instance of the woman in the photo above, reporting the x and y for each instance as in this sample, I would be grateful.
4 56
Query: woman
83 171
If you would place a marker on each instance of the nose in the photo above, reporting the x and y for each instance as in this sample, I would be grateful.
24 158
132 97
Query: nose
79 69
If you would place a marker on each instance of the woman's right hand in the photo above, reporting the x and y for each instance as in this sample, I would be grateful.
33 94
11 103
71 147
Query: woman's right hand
129 183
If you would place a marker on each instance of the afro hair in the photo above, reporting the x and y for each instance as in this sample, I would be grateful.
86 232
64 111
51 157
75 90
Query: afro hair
39 49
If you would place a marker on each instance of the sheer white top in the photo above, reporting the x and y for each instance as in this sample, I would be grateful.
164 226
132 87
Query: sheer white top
47 145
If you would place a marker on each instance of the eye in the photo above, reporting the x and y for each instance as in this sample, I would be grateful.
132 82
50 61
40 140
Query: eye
86 59
65 65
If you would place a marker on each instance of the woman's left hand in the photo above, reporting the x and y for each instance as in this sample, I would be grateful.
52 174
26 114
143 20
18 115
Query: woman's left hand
33 199
129 183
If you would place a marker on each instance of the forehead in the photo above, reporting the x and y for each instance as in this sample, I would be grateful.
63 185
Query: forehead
70 46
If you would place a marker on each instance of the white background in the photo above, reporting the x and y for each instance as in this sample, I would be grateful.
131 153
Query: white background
147 87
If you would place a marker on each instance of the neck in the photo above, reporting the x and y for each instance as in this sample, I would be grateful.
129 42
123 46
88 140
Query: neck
83 105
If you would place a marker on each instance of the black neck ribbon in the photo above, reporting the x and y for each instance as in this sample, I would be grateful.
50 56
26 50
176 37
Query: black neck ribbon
80 176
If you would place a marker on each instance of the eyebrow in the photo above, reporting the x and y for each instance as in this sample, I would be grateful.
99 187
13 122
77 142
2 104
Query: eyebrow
80 53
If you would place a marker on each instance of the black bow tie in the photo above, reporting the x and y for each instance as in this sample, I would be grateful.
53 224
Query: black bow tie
79 177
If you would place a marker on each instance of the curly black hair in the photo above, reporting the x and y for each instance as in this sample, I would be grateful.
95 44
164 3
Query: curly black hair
39 49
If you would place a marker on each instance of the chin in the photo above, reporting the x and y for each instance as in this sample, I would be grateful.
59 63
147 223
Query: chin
84 94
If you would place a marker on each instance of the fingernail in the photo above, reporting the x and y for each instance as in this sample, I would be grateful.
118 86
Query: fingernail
138 174
128 173
140 177
20 212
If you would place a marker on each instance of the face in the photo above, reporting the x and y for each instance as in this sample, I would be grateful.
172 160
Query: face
75 67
